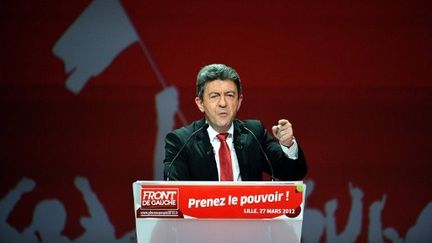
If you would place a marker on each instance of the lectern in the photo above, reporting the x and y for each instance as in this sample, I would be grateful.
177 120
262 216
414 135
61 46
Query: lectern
189 212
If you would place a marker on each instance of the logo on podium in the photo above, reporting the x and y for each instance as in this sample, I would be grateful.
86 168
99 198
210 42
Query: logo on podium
159 202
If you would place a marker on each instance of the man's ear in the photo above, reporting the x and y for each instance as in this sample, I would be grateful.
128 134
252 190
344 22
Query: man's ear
199 104
240 101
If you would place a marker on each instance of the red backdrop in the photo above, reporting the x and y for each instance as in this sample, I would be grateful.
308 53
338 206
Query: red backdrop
354 79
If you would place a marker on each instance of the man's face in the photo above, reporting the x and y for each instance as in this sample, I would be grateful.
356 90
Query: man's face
220 103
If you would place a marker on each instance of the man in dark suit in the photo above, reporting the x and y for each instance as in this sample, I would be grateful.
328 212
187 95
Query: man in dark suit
220 147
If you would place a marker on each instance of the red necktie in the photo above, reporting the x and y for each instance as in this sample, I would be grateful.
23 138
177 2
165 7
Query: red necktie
226 173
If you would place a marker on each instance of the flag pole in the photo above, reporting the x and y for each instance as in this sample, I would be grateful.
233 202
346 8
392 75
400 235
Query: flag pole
158 74
154 67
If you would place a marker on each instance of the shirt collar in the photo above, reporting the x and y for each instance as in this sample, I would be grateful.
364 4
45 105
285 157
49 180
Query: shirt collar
212 133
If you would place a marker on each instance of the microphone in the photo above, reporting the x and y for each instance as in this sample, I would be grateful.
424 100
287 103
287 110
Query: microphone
181 149
263 152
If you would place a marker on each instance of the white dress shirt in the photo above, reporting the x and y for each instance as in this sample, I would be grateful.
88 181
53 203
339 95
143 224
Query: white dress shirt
291 152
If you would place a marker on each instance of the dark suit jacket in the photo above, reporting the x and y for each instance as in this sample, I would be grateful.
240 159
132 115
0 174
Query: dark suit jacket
197 161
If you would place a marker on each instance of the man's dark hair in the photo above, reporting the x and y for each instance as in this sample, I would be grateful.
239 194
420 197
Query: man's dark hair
213 72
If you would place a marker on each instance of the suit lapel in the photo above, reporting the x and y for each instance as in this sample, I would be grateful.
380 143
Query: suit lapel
240 141
206 150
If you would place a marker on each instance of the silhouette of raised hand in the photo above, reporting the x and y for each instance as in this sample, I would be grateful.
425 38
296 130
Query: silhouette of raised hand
355 192
82 184
330 206
310 185
98 226
26 185
378 206
167 103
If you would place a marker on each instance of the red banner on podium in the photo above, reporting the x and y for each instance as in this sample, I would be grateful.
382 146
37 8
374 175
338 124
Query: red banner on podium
220 201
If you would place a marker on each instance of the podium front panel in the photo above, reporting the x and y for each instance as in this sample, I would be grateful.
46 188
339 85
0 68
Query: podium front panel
218 211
